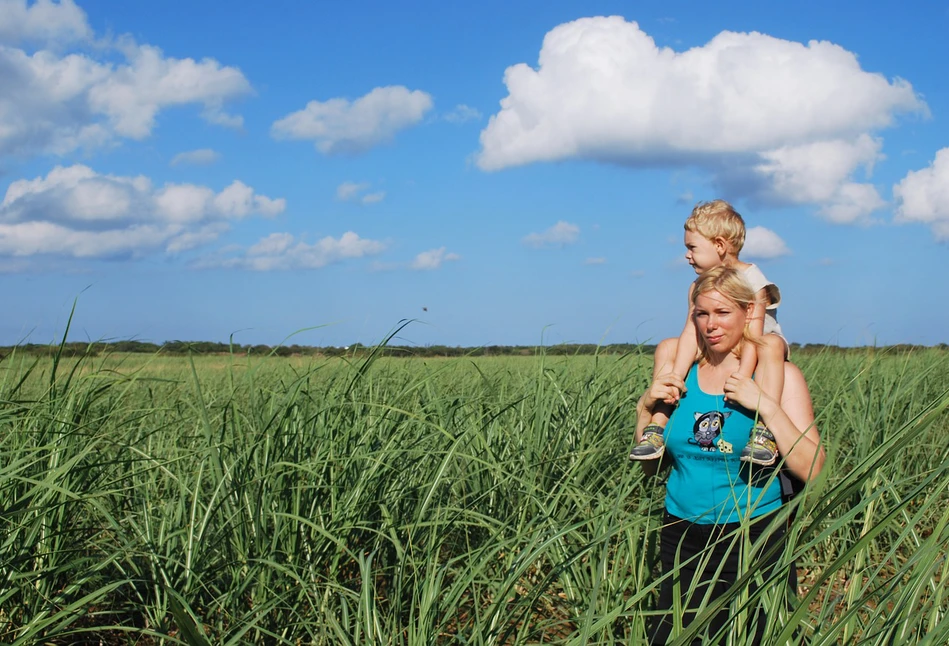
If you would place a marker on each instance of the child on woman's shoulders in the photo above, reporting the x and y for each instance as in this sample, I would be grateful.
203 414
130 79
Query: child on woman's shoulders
714 236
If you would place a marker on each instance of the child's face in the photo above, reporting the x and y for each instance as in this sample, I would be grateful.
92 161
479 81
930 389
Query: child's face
703 254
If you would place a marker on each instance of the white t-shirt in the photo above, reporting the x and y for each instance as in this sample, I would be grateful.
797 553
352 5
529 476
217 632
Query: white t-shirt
757 280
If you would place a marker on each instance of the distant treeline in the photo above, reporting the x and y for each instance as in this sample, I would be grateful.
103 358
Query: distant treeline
182 348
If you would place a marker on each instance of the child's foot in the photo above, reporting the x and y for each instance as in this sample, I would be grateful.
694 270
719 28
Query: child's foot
651 446
761 448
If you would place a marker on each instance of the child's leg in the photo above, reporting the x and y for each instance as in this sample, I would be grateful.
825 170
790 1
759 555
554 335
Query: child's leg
769 375
667 358
652 444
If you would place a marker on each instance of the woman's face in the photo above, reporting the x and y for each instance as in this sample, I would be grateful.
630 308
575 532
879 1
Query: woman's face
720 321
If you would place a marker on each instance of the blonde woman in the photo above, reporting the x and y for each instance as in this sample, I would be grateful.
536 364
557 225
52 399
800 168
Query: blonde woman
710 492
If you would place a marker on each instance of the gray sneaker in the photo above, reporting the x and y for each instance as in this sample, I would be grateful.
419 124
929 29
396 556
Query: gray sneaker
761 448
652 446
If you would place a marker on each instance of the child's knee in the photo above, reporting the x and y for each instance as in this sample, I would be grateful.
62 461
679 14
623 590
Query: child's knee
666 351
773 346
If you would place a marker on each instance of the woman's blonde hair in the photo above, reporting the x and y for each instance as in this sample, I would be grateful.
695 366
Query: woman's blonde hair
730 283
718 219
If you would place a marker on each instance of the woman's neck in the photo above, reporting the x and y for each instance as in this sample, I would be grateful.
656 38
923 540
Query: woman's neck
717 360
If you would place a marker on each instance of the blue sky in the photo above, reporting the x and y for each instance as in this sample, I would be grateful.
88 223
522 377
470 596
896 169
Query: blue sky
504 173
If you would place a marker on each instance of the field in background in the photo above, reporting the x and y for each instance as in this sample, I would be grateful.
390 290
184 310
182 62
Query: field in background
488 500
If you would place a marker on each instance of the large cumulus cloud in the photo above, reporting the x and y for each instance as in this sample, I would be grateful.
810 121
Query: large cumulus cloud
779 121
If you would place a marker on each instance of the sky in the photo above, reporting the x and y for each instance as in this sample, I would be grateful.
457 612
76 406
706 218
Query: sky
496 173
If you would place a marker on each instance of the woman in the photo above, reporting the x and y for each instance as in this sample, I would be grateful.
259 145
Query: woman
711 496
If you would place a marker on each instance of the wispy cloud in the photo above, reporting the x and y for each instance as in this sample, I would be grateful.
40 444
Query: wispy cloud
357 192
562 233
200 157
463 113
284 252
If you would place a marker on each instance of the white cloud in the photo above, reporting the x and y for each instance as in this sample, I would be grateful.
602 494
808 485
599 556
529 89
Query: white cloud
763 243
595 261
281 252
199 157
562 233
349 190
75 211
747 107
923 196
433 259
341 126
54 103
463 113
43 21
356 192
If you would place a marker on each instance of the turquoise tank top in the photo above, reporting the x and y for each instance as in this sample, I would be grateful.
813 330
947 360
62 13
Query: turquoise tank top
708 483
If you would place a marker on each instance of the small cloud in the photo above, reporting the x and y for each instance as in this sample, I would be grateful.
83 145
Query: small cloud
463 113
200 157
763 243
338 126
826 262
637 273
349 190
562 233
433 259
595 261
686 198
356 192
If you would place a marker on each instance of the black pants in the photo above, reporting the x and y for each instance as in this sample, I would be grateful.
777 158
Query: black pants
713 555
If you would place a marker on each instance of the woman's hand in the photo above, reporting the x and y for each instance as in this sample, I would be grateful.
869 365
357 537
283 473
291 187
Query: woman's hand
745 392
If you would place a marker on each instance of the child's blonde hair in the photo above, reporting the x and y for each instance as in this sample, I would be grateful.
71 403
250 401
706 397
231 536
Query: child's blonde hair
718 219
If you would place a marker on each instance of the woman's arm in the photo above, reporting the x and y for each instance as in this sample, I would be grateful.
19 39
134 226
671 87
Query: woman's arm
791 421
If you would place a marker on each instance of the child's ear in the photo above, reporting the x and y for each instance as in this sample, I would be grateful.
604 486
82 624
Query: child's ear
721 246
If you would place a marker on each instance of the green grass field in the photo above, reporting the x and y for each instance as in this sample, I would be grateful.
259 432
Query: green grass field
236 499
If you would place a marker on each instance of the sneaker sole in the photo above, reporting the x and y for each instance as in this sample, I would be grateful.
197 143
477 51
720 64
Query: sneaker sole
642 458
764 463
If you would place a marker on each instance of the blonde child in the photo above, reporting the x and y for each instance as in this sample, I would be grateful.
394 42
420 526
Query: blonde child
714 235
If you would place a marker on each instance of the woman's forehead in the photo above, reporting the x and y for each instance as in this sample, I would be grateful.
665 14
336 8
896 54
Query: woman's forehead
714 298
